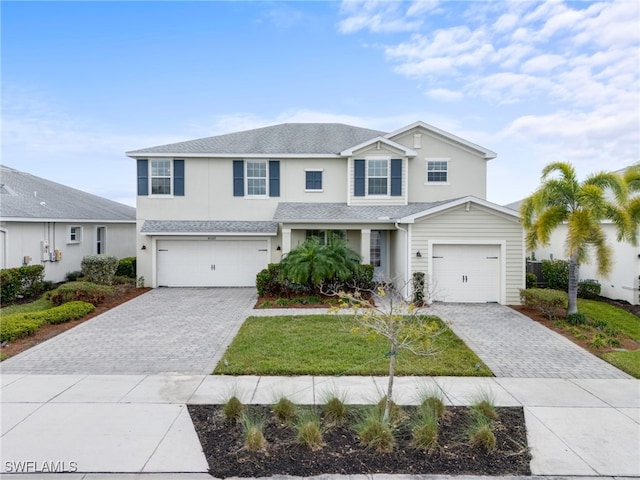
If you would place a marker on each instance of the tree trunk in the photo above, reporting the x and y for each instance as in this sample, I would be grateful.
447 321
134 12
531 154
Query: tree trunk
574 276
392 371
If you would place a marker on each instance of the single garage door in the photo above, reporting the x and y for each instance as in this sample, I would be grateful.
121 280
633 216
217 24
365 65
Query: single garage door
466 273
210 263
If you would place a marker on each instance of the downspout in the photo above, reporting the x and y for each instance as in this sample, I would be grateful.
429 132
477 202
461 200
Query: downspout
407 259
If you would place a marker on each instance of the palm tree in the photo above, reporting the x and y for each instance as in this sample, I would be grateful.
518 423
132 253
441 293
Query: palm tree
312 262
582 206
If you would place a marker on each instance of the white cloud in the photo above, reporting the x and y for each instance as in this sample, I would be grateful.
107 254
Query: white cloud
444 95
380 16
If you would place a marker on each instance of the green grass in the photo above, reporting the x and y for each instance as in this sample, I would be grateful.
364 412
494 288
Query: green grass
36 306
325 345
627 361
621 320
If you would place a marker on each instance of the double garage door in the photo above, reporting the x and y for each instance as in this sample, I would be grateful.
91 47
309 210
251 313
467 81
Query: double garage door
466 273
210 263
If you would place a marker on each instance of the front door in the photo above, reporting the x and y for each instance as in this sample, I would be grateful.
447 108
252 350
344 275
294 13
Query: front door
378 254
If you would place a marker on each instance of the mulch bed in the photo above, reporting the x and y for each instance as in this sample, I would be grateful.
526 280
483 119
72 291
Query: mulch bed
222 442
47 331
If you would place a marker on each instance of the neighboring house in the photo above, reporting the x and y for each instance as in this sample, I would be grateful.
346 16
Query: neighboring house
623 282
43 222
215 211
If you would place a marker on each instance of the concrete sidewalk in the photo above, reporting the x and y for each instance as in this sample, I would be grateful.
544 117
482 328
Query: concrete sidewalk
137 424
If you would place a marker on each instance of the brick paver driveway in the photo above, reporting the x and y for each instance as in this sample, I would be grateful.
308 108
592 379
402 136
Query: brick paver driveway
513 345
167 330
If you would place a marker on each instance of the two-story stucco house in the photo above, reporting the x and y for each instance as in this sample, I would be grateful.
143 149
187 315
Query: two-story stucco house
215 211
46 223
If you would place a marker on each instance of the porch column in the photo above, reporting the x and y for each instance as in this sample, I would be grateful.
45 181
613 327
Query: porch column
286 240
365 246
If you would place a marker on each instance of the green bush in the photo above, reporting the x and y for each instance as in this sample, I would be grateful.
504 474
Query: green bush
126 267
99 268
555 273
531 280
73 276
363 276
589 289
268 281
576 319
545 301
23 324
81 291
27 281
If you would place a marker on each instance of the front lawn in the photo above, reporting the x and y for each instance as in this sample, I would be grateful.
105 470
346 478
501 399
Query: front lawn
325 345
616 318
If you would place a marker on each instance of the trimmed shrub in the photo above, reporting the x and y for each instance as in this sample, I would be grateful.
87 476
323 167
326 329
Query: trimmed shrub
268 281
363 276
81 291
23 324
126 267
27 281
589 288
555 274
576 319
549 303
99 268
73 276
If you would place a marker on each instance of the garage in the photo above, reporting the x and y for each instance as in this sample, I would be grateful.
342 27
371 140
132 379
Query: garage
466 273
210 263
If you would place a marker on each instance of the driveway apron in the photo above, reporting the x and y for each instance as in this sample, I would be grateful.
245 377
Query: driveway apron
165 331
513 345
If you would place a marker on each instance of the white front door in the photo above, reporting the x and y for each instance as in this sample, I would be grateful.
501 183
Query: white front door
378 254
466 273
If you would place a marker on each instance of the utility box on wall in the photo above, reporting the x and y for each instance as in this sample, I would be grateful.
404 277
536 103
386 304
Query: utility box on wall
44 251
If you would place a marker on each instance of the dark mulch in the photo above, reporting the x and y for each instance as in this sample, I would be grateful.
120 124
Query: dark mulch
342 453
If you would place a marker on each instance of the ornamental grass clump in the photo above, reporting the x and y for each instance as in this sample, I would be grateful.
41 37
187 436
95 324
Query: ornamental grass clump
284 410
233 409
484 405
335 411
253 429
309 432
481 435
433 402
424 430
374 432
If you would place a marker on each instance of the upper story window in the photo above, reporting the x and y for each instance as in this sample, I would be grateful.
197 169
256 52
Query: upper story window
160 177
313 180
256 178
438 170
74 234
377 177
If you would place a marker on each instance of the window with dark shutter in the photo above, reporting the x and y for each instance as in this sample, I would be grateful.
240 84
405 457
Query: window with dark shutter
359 167
178 178
274 178
396 177
143 177
238 178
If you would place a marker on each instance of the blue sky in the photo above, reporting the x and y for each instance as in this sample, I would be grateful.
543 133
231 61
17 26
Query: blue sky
536 82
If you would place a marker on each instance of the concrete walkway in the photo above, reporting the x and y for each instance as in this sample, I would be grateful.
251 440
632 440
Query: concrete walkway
167 330
140 424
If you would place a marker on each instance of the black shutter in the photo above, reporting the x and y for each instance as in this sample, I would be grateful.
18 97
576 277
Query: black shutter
238 178
359 177
178 178
274 178
396 177
143 177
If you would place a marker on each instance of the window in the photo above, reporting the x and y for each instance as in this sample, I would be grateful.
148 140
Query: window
74 235
101 240
325 235
313 180
375 251
256 178
377 177
437 171
160 177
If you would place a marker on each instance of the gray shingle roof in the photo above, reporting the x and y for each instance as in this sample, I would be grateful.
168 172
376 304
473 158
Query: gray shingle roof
343 213
23 195
286 138
209 227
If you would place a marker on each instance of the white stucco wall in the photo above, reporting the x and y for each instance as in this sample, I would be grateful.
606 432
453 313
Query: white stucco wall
23 239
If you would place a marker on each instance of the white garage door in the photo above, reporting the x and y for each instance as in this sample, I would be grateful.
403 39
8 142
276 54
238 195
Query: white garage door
211 263
466 273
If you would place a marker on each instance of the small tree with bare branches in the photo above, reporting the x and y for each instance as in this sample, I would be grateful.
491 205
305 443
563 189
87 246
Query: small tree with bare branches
385 312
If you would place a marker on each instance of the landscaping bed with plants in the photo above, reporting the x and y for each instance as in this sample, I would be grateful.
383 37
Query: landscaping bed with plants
287 439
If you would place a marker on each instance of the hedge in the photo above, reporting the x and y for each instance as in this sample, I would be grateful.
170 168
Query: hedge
26 281
126 267
99 268
20 325
555 274
81 291
550 303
